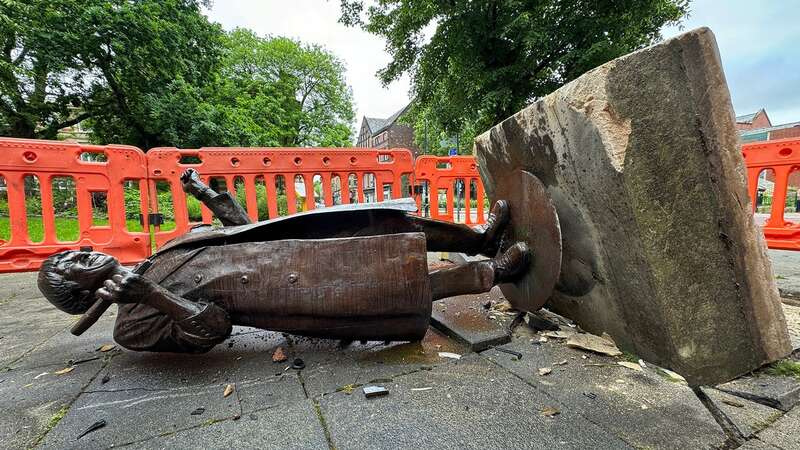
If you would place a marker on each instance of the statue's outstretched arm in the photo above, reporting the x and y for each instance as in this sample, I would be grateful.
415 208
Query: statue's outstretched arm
152 318
223 205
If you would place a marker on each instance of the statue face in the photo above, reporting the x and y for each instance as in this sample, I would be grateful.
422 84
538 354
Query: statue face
88 269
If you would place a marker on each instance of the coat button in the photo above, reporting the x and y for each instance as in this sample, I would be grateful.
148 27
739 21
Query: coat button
244 279
198 278
292 278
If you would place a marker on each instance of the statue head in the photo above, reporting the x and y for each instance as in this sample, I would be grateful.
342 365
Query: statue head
69 279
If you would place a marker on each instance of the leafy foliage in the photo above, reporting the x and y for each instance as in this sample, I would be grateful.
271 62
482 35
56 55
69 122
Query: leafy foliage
158 73
268 92
485 60
64 61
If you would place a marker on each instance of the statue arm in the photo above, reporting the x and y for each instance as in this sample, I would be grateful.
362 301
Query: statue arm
223 205
152 318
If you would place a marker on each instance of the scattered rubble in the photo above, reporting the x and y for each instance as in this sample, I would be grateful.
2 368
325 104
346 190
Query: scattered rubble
549 411
585 341
375 391
228 390
278 355
93 427
630 365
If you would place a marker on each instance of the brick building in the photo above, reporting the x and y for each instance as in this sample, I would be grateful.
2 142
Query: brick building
758 119
757 127
387 133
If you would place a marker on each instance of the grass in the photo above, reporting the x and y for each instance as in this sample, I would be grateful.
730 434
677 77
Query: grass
67 229
784 367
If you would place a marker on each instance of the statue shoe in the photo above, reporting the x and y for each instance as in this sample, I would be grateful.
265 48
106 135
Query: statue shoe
494 228
512 264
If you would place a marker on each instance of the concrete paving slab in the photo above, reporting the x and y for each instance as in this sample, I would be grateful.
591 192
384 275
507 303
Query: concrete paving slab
640 407
63 348
19 286
778 392
748 417
466 319
784 433
245 356
786 266
25 324
290 426
31 398
792 314
755 444
330 367
136 414
473 404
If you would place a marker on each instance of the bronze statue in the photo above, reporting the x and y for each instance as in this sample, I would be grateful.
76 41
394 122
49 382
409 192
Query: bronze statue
346 272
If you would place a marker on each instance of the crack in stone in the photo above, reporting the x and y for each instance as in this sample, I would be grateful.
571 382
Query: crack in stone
734 436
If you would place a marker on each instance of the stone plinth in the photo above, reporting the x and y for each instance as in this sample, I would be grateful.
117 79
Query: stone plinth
642 160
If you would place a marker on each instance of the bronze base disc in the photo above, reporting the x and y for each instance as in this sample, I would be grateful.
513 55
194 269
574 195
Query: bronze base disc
534 221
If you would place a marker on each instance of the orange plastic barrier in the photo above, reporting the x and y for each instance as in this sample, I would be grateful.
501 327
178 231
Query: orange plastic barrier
31 171
449 179
34 176
343 175
774 165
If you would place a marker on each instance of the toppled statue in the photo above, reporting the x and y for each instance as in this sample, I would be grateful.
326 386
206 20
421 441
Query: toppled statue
352 272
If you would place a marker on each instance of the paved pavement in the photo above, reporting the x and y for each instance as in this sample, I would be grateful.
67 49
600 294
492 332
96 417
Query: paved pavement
490 399
786 266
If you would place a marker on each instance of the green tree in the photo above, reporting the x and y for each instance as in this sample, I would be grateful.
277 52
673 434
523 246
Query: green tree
474 63
269 91
66 61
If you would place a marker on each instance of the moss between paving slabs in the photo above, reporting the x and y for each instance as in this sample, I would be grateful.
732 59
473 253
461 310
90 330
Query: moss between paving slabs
54 420
784 367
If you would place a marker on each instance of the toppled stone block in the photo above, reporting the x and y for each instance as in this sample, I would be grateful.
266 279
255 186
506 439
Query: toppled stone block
641 159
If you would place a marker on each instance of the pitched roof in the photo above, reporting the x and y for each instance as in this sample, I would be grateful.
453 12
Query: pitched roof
768 129
374 123
748 118
377 125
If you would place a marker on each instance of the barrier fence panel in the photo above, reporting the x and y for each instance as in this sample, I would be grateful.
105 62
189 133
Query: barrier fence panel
773 176
271 182
449 188
57 196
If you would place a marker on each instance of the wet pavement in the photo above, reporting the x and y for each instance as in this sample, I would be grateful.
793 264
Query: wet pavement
54 386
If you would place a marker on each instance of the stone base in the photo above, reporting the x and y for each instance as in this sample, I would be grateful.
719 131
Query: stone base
641 159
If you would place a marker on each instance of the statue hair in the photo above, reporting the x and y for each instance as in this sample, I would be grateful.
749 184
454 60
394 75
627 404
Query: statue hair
64 294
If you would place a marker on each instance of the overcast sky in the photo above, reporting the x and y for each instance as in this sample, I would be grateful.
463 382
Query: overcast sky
759 42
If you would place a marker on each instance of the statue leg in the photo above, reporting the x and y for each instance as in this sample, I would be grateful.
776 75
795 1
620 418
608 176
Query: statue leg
480 276
454 237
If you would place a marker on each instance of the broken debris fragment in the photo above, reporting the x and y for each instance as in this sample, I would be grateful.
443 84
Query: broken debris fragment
585 341
64 370
630 365
93 427
549 411
449 355
510 352
106 348
375 391
228 390
278 355
198 411
544 371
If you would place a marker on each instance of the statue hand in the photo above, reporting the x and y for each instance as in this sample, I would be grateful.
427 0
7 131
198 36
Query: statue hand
125 288
192 184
